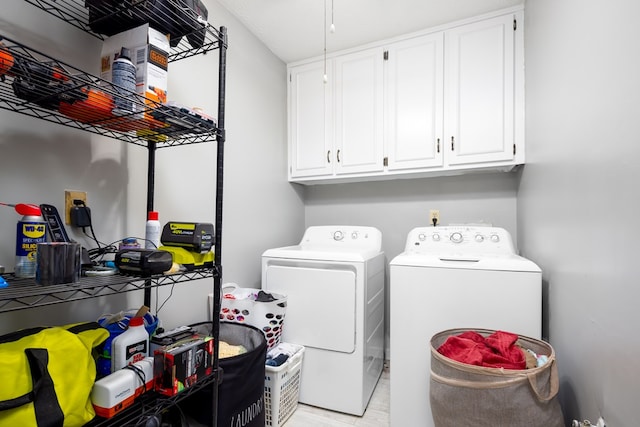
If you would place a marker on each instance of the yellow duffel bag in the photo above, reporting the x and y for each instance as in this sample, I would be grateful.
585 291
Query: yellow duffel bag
47 374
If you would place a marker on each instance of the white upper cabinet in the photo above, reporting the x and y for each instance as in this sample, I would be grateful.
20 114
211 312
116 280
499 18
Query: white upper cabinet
439 102
335 126
413 103
480 92
358 112
310 124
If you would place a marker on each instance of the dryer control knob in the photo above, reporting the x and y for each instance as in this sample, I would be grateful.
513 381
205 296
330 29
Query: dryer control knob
435 237
422 237
354 235
479 238
338 235
456 237
495 238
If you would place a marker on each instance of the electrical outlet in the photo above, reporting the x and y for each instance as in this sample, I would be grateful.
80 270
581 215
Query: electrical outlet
69 197
434 217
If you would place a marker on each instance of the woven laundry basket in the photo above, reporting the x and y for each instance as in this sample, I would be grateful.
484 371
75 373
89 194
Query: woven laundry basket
475 396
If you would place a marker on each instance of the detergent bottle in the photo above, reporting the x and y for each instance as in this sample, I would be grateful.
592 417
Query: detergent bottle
130 346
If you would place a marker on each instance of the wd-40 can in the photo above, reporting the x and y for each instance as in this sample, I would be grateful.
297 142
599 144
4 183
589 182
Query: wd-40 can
30 231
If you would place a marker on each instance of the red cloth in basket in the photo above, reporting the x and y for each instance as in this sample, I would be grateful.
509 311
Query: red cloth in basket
498 350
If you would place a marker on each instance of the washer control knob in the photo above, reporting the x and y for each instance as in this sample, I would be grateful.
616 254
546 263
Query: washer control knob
435 237
479 238
354 235
456 237
495 238
422 237
338 235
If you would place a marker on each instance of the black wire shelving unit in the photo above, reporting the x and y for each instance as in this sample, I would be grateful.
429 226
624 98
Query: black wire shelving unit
45 88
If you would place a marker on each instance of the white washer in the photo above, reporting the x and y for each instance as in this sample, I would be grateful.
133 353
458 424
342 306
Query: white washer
334 282
453 277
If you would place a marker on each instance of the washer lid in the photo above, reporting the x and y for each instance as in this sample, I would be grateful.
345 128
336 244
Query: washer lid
468 262
468 240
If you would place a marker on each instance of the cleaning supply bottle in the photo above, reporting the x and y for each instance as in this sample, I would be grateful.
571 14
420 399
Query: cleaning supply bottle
123 76
130 346
152 231
31 230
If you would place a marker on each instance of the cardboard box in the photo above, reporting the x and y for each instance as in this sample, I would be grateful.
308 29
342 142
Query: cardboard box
181 365
149 50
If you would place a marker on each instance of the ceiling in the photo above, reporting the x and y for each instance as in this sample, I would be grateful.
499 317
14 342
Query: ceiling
294 29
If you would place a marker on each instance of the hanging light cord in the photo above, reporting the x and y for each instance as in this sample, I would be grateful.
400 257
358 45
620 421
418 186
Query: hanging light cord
324 77
333 27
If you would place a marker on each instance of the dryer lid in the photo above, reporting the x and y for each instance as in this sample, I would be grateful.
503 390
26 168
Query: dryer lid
333 243
320 254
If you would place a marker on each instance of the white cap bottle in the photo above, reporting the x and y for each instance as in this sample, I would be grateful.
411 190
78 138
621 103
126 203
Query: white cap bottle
130 346
152 231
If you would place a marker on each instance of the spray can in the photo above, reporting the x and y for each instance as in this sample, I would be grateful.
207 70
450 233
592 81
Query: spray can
123 76
131 346
30 231
152 231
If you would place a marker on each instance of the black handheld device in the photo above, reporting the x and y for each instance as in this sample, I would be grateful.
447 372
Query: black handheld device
55 227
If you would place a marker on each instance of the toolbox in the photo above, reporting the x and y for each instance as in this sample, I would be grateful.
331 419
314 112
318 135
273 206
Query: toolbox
180 365
176 17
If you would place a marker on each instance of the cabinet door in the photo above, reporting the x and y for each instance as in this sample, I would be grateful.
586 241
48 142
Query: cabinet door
310 136
479 94
359 115
413 103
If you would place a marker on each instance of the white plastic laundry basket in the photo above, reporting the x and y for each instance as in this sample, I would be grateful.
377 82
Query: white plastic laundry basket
282 389
239 306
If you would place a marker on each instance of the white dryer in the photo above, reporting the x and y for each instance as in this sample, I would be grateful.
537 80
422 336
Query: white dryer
334 282
453 277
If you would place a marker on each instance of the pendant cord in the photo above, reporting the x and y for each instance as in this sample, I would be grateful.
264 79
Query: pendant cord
325 41
332 28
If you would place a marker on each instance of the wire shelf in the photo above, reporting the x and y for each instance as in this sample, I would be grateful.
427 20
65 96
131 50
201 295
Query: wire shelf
37 85
152 404
26 293
191 36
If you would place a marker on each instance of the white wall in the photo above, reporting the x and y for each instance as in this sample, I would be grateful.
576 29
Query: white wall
38 161
578 197
396 207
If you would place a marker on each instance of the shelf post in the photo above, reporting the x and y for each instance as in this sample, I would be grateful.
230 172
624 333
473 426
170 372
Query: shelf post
215 315
151 167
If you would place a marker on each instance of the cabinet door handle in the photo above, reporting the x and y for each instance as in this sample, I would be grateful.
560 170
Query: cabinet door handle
338 156
452 141
329 156
438 145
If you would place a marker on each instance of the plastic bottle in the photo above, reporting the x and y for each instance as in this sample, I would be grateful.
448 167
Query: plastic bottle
152 231
31 230
128 243
123 76
130 346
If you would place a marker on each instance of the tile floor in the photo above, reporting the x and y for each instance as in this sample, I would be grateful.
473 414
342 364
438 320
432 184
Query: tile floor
376 415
